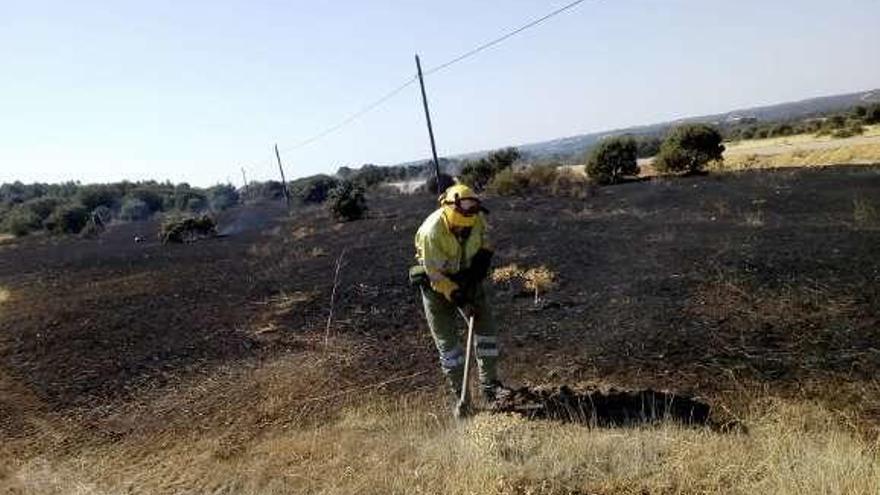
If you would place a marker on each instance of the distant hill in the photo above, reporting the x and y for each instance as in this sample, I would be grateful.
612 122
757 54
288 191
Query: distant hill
573 147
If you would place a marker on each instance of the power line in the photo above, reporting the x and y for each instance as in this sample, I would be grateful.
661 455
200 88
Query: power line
387 96
494 42
354 116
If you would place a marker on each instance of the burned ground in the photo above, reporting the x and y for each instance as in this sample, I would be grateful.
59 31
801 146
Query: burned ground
714 286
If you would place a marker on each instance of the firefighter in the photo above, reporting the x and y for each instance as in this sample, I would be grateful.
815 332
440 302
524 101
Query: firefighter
454 256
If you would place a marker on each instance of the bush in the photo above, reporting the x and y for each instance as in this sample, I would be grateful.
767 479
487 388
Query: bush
42 207
222 196
187 229
347 202
648 146
612 160
508 183
314 189
689 148
21 221
94 196
69 218
538 179
134 209
477 174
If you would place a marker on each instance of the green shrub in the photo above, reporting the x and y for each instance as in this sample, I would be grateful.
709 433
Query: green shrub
314 189
346 201
538 179
134 209
97 195
42 207
648 146
612 160
478 173
508 183
689 148
68 218
21 221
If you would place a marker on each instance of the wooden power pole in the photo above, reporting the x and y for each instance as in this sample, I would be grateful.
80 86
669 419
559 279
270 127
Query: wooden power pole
244 181
283 180
428 119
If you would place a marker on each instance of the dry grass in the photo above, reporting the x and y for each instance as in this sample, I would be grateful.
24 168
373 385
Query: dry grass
537 280
798 140
858 154
4 295
403 447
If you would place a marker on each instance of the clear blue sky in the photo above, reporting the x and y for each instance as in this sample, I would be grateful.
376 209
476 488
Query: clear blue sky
193 90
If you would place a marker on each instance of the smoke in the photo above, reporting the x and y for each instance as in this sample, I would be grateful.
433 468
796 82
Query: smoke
245 219
407 186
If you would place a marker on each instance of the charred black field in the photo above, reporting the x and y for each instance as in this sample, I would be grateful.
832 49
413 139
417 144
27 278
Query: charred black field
712 287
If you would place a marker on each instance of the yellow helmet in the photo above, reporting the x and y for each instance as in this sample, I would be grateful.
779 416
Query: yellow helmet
461 205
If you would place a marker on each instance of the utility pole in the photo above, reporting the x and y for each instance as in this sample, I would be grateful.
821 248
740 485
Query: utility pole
428 118
244 181
283 180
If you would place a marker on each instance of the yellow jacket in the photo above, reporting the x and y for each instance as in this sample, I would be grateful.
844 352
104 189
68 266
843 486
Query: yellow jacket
442 254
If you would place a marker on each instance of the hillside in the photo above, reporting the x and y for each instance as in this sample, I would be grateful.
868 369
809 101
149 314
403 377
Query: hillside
573 146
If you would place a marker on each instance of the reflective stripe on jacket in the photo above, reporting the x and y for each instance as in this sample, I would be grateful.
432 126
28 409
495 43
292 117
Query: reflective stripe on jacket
440 251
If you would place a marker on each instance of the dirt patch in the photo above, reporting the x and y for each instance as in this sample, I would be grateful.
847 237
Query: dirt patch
606 408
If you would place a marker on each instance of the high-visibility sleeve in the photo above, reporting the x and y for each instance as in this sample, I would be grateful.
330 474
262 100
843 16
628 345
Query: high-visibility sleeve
434 260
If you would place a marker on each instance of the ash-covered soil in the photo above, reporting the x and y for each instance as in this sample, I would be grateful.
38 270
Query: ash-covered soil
714 286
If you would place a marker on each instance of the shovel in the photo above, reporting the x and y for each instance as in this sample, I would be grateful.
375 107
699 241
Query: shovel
463 408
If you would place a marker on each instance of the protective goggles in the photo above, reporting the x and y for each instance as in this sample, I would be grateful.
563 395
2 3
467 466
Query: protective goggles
468 206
